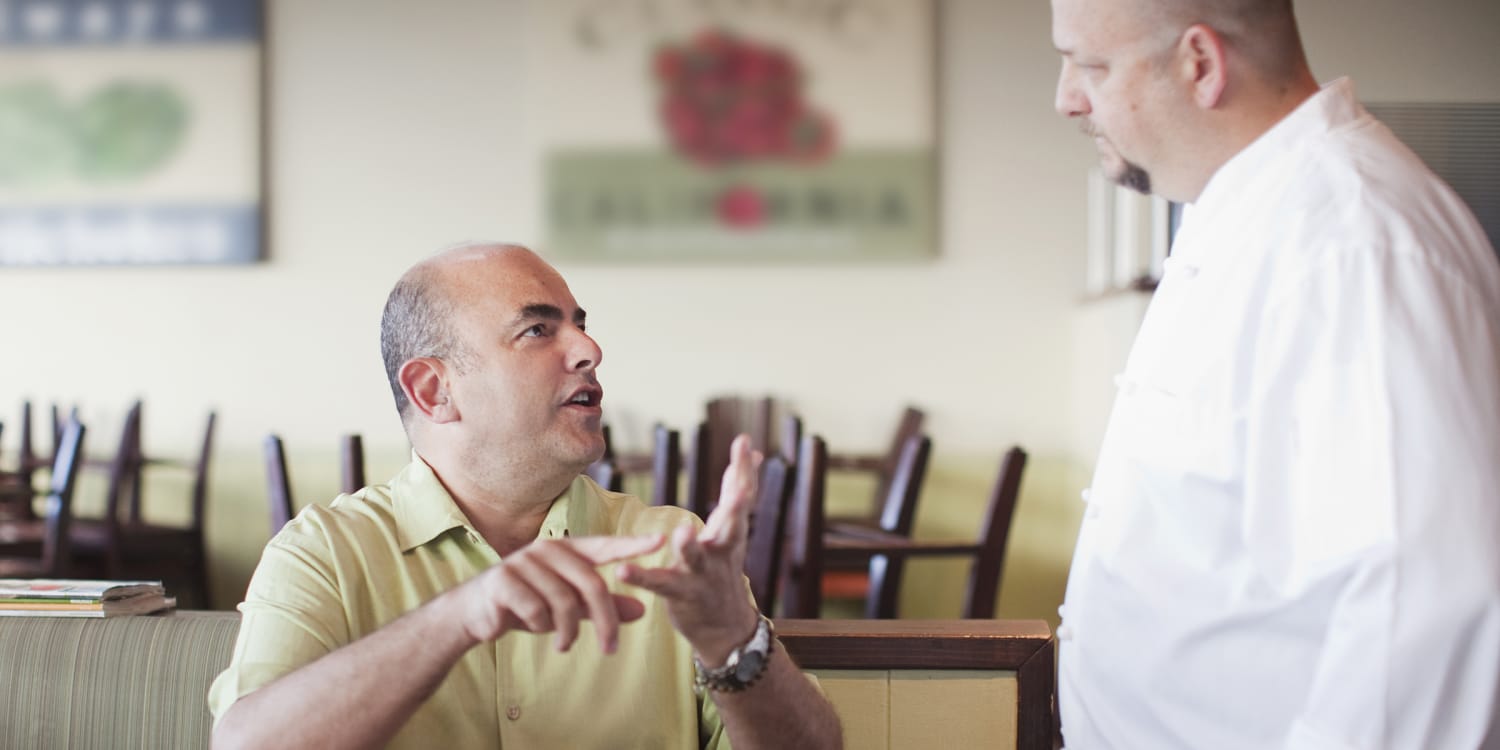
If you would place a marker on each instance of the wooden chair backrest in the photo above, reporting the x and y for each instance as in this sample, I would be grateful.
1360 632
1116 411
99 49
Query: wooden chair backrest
666 465
804 594
767 531
278 482
66 461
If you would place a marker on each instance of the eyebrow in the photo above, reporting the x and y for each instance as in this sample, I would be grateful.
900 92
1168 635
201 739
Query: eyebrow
548 312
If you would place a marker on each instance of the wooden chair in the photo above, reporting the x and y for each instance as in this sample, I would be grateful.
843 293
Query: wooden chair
988 552
130 547
882 467
53 538
876 578
278 480
351 463
666 465
763 552
725 418
804 574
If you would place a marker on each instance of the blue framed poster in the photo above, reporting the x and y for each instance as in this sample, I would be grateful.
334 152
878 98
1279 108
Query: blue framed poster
130 132
689 130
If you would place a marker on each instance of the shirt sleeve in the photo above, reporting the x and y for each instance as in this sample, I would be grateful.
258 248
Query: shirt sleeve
291 617
1375 458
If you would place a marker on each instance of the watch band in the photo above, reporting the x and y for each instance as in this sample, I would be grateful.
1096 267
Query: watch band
743 667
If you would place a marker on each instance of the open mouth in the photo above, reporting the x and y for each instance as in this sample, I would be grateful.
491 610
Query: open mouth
588 397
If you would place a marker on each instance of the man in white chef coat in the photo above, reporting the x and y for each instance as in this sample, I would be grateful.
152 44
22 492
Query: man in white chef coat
1292 538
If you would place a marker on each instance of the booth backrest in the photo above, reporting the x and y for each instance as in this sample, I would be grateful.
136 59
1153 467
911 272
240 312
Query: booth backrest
141 682
122 683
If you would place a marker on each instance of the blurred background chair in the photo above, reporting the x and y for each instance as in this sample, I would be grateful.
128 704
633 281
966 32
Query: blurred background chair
988 552
802 579
126 545
881 467
278 479
876 579
708 456
41 548
763 553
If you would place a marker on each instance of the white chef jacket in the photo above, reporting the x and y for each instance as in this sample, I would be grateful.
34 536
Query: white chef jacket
1292 538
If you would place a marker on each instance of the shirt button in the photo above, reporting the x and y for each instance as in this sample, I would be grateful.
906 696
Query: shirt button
513 713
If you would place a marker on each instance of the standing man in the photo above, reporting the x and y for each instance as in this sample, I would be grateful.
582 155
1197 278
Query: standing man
1292 539
462 604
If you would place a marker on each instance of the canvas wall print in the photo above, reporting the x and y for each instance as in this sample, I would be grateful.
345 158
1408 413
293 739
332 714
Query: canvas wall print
130 132
688 130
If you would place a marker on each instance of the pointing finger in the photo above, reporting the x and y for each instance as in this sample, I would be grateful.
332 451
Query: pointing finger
607 549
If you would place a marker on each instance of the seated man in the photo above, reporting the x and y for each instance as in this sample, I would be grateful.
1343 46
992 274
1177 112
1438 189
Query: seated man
453 607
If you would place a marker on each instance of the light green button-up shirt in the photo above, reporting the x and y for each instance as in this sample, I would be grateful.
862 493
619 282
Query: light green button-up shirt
335 574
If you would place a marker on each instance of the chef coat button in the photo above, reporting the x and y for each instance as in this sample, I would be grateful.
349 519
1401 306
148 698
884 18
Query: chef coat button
1062 610
513 713
1064 632
1092 512
1085 494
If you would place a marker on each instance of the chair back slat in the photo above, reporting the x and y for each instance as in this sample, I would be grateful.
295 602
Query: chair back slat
804 593
666 466
984 580
278 482
66 461
351 463
767 531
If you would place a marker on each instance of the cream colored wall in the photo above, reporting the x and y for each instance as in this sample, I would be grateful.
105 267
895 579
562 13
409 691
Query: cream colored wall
395 128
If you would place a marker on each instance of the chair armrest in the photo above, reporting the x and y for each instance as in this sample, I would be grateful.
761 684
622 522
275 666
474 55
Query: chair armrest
853 462
837 546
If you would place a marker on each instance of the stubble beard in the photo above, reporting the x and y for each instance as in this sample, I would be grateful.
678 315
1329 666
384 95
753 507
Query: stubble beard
1126 173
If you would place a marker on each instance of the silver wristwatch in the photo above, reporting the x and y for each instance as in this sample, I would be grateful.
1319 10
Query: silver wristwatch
745 664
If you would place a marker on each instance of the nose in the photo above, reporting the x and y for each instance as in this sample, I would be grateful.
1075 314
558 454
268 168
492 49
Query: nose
584 353
1069 100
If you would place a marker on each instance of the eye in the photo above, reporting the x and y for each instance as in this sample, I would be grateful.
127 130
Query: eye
540 329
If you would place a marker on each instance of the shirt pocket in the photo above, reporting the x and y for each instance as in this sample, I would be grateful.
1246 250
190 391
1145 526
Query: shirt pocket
1171 476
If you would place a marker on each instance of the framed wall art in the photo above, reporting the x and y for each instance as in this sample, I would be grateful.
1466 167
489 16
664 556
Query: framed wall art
691 130
130 132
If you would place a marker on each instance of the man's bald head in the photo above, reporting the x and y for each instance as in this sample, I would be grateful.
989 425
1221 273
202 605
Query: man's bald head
418 320
1262 33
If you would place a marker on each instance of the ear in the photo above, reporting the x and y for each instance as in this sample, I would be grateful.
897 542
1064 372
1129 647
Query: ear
425 381
1203 64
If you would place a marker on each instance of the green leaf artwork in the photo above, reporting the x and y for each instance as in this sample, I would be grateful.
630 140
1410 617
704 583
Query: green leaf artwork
120 132
126 129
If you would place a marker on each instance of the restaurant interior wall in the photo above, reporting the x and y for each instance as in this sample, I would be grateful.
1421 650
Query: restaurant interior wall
396 128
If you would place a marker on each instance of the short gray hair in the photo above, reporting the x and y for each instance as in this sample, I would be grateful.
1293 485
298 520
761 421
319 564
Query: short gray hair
417 322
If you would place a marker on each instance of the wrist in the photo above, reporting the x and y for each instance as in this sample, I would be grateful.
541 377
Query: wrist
713 647
743 666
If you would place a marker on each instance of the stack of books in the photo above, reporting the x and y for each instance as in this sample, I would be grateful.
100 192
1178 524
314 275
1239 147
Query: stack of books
71 598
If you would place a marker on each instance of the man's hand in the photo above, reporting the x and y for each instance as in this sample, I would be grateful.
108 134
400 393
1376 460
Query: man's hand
705 587
548 586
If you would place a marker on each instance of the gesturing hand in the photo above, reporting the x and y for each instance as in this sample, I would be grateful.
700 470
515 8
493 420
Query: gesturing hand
549 585
705 586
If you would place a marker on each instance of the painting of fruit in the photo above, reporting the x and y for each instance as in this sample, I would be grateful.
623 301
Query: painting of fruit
727 98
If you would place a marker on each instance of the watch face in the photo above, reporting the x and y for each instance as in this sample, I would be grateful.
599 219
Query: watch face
749 666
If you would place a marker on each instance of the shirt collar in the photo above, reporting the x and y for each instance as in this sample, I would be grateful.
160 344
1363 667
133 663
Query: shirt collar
1333 106
424 510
